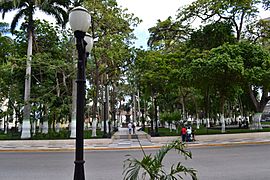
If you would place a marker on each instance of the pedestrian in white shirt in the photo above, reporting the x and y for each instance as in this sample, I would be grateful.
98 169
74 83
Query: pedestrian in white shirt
189 131
129 127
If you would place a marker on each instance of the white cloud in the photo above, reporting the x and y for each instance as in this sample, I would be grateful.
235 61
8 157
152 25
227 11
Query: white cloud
147 10
150 11
38 15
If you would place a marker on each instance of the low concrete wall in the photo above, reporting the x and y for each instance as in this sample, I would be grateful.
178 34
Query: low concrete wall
167 139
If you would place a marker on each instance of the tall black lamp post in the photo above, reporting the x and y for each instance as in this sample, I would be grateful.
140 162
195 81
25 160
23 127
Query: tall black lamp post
80 20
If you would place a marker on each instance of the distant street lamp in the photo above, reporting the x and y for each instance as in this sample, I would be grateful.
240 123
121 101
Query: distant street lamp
89 43
80 20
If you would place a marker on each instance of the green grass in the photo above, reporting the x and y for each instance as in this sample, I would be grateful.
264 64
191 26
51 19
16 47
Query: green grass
207 131
204 131
63 134
9 136
167 132
266 122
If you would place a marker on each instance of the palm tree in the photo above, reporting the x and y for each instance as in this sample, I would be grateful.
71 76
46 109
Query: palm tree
5 41
27 8
151 167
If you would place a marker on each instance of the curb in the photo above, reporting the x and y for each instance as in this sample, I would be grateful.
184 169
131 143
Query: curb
231 144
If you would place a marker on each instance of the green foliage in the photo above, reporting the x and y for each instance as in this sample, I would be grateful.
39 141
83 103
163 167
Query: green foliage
151 167
167 132
167 34
170 116
256 64
6 43
9 135
63 134
266 4
259 32
28 7
152 72
224 63
4 28
236 12
212 36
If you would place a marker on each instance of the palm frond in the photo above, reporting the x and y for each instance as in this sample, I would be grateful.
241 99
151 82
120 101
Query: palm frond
180 169
57 11
16 19
5 7
152 166
132 167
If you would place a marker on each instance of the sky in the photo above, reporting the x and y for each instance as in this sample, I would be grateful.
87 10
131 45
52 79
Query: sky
147 10
150 11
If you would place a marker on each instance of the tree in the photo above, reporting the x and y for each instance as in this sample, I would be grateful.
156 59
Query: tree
256 75
235 12
167 34
212 35
222 69
151 74
259 32
266 4
112 54
5 42
26 8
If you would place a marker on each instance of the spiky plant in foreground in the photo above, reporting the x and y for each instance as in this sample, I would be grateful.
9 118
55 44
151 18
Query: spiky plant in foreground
151 167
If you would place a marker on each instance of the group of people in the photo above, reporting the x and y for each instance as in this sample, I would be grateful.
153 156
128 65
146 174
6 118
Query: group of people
187 134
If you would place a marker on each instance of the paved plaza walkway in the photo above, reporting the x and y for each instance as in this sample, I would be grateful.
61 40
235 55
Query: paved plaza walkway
123 140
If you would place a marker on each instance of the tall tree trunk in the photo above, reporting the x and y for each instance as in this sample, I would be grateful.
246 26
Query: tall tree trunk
153 116
113 104
73 111
222 120
107 105
183 108
26 127
259 105
139 108
207 108
45 124
74 100
6 124
197 113
134 108
156 116
95 100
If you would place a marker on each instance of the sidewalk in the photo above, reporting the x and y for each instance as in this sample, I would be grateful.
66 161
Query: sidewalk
120 144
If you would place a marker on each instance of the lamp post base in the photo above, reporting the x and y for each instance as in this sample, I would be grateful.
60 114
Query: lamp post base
79 170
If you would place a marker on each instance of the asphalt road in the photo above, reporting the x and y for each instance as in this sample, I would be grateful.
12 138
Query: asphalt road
248 162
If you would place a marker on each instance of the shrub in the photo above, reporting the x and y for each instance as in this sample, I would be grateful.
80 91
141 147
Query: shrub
151 167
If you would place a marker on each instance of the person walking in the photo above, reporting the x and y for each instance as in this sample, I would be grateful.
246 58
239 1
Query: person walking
189 131
129 127
184 134
193 134
133 128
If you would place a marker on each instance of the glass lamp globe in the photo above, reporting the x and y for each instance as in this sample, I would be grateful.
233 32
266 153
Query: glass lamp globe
89 40
79 19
